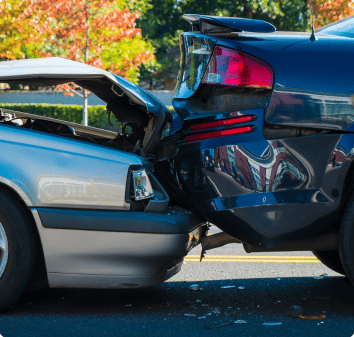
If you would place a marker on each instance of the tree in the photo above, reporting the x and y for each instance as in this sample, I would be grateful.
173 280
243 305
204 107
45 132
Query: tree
36 28
18 24
327 11
101 33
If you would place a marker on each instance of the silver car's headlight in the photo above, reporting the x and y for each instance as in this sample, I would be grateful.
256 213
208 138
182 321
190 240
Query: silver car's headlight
142 185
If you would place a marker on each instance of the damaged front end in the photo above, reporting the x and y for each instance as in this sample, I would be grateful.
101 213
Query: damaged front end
99 186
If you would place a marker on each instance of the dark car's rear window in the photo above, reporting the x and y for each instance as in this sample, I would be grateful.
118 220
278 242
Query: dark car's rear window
343 28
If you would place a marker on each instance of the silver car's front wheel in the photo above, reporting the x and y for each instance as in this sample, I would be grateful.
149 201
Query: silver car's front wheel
4 250
18 248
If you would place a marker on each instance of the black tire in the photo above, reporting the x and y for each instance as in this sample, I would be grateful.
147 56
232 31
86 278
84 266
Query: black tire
331 260
19 231
346 240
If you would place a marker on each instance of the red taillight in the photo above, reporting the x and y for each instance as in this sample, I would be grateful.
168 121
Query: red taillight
219 123
235 68
216 134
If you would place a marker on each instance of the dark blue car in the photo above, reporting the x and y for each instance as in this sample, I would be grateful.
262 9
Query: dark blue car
275 113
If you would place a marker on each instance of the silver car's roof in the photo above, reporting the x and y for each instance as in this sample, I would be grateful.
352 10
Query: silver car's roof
55 70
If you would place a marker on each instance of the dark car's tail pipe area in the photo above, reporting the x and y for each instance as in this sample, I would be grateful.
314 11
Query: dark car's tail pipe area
323 242
216 241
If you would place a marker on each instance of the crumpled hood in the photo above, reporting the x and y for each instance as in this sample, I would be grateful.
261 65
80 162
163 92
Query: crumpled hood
55 70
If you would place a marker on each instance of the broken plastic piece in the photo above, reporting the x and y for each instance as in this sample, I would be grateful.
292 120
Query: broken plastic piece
194 287
227 287
272 323
321 276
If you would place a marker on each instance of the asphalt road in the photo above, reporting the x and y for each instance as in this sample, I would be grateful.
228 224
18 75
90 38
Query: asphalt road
256 289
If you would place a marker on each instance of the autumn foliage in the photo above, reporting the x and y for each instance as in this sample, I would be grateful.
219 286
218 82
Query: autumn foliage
327 11
101 33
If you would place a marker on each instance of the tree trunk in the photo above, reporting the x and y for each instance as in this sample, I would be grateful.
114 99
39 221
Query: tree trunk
247 12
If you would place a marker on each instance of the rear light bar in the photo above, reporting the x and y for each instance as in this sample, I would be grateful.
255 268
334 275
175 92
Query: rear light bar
222 122
220 133
230 67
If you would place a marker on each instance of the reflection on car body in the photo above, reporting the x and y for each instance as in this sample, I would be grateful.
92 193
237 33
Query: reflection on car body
269 172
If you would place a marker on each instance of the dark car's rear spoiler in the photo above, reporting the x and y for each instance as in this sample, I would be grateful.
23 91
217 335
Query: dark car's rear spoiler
217 24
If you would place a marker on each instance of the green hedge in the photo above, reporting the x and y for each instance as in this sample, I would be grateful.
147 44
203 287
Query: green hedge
97 114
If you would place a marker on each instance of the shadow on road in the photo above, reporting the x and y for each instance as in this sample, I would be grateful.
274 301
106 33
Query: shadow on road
265 296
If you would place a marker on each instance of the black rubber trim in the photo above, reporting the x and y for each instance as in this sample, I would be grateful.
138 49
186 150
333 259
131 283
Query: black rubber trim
112 221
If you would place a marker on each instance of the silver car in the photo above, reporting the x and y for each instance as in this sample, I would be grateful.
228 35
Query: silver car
80 206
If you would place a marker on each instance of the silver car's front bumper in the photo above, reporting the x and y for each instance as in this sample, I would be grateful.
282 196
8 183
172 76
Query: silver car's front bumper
108 258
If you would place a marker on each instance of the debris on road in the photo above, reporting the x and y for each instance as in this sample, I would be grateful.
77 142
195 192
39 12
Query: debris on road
240 321
241 287
312 318
189 315
194 287
227 287
272 323
295 311
322 276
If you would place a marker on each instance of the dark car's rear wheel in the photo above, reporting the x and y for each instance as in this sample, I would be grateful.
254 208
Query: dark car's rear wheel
17 249
331 260
346 240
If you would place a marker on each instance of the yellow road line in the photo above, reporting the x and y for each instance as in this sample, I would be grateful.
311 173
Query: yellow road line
253 259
